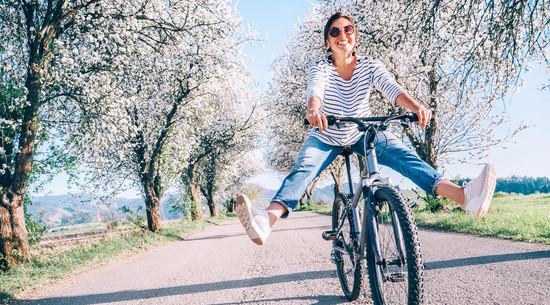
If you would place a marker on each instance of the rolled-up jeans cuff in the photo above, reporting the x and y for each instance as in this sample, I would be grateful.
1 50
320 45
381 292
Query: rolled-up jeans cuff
437 181
288 209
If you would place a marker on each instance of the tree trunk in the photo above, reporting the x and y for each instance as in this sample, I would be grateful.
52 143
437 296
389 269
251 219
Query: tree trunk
431 156
212 204
152 207
153 193
337 170
194 192
14 243
309 191
210 193
426 148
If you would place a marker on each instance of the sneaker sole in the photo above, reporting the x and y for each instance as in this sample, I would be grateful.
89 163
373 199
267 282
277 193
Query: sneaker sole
490 191
243 213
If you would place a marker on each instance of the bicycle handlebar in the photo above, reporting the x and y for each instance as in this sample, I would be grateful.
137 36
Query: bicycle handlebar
407 117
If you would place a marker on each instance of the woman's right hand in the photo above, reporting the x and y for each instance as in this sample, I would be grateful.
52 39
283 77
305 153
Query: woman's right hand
314 117
317 119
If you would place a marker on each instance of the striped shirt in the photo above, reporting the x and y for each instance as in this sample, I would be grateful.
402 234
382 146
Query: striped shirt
348 98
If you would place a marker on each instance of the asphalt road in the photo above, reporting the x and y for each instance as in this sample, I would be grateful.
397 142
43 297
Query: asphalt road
221 266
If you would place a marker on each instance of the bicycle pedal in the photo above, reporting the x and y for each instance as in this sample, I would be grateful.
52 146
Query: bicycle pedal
397 277
413 204
329 235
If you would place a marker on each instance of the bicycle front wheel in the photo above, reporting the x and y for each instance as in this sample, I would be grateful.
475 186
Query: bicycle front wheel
350 269
397 277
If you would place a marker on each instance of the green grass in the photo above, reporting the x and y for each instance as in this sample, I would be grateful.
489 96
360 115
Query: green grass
76 229
517 217
317 208
52 264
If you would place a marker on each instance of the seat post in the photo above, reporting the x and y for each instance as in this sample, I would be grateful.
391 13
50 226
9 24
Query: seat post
346 152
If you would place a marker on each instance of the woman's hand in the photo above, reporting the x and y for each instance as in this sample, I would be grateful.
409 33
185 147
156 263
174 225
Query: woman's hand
314 117
424 116
317 119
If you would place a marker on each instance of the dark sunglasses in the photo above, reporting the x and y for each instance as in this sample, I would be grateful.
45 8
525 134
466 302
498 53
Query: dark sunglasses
334 32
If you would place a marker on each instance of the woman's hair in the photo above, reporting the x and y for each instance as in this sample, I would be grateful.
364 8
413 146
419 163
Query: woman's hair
331 20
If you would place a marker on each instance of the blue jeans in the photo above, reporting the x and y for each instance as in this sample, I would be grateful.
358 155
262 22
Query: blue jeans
315 156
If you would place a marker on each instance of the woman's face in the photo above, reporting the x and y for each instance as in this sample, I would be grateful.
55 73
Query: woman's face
347 38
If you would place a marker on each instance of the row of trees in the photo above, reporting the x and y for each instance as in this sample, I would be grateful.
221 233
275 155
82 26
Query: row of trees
523 185
137 93
155 94
459 58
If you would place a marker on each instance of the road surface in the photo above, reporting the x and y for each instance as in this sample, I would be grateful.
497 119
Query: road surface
222 266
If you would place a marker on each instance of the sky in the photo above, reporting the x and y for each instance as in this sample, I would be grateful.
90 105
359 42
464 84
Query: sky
276 20
527 157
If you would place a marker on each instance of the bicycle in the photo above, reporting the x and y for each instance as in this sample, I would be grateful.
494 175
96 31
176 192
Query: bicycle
382 234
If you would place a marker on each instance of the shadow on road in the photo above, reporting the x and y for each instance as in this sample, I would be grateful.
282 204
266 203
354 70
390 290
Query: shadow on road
130 295
488 259
315 300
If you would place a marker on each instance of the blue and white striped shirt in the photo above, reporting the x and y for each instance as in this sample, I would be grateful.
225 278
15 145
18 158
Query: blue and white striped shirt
348 98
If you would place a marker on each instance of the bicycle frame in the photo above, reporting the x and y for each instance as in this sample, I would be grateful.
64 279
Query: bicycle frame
371 225
370 178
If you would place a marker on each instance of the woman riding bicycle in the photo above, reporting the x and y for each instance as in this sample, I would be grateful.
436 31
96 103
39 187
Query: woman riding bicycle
340 85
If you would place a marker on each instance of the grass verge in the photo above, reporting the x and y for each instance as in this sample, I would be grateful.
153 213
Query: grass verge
50 265
316 208
516 217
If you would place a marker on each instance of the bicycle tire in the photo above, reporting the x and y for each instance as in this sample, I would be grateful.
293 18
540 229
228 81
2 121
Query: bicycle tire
389 282
350 269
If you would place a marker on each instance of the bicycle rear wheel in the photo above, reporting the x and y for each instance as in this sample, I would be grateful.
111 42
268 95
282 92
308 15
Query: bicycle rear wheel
351 270
397 279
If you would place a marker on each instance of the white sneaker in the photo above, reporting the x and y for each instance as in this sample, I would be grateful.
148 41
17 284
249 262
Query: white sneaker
479 192
255 220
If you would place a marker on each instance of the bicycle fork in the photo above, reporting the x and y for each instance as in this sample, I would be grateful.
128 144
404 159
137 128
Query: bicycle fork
370 226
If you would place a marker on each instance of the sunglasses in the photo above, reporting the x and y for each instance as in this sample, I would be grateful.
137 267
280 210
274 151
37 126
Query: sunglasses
334 32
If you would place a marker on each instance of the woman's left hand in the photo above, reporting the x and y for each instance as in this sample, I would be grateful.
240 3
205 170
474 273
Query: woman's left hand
424 116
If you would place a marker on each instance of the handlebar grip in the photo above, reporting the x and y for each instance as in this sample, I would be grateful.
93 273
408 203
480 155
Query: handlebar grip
413 117
331 120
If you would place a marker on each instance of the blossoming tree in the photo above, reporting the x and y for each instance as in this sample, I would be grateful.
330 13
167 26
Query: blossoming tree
178 61
28 31
457 57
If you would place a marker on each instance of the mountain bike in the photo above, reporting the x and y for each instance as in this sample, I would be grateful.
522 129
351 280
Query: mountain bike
374 226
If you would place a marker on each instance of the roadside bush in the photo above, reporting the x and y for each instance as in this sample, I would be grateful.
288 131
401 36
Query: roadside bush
441 204
500 195
135 219
35 229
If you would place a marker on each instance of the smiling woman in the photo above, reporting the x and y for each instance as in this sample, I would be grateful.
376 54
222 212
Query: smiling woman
340 85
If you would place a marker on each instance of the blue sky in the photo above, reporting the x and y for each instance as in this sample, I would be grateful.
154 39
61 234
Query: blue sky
527 157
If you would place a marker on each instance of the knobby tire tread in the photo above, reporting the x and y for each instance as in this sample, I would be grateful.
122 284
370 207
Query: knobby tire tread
359 272
412 246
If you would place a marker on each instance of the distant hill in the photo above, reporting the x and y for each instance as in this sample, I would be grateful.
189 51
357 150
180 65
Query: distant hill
55 211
